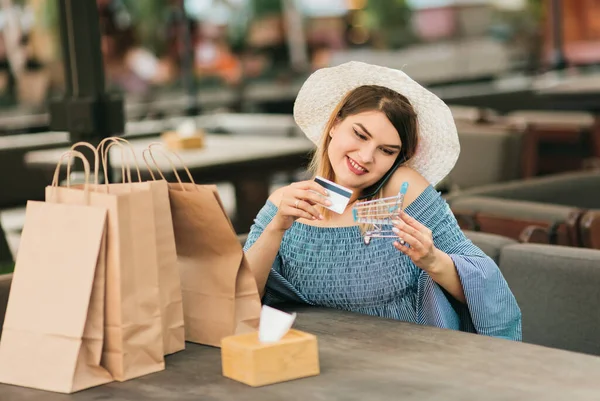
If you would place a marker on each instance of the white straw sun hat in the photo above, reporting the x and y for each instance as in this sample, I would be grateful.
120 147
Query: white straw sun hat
438 147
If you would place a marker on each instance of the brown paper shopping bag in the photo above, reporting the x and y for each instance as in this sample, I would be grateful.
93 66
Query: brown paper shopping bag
220 296
53 332
132 327
169 283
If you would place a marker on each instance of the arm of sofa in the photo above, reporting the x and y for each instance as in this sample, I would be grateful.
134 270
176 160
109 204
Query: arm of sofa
556 288
579 189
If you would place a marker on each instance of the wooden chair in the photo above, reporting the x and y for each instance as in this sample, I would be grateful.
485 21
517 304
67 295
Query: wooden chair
569 132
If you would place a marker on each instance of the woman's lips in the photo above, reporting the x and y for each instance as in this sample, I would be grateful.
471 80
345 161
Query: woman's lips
354 167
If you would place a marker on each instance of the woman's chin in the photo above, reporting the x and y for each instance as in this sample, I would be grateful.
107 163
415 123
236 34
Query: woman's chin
352 181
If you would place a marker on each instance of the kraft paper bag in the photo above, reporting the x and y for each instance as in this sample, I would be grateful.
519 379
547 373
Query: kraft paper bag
169 283
53 332
133 344
220 296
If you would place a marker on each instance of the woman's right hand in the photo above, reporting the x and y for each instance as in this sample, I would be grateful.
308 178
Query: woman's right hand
298 200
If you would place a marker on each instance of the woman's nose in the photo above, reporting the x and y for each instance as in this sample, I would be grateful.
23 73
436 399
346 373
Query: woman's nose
366 155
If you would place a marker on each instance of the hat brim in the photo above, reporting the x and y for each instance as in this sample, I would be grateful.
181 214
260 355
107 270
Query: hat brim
438 147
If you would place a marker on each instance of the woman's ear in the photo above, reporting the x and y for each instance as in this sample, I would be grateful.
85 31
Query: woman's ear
334 127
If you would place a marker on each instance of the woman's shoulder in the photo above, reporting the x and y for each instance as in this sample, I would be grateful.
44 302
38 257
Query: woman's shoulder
417 184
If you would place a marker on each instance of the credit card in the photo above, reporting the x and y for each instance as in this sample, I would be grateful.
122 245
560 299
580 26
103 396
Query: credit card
337 194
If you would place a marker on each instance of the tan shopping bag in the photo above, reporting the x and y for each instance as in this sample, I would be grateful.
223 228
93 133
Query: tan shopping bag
169 283
53 332
220 296
132 328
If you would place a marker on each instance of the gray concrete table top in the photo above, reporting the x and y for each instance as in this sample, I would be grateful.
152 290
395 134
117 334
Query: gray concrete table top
369 358
218 150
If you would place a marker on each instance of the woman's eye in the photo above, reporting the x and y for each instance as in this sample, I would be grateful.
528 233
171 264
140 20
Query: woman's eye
388 151
358 134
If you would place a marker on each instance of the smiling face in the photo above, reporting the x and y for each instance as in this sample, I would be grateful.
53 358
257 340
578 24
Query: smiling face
371 129
363 147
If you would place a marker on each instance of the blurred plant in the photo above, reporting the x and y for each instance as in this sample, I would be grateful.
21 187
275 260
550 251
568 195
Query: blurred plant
7 267
148 17
261 8
391 21
522 29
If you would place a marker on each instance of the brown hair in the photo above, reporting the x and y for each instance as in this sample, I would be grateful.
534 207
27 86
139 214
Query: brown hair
396 107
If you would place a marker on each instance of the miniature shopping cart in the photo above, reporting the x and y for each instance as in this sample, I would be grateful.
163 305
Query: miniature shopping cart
380 213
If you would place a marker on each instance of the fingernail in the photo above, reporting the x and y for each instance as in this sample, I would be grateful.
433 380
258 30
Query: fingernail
321 217
326 192
313 217
328 203
396 221
394 229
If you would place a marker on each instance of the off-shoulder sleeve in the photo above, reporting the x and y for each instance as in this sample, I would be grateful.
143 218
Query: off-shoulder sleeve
278 289
490 309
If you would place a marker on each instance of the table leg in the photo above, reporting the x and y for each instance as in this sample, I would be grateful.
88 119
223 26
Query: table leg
250 196
596 136
529 155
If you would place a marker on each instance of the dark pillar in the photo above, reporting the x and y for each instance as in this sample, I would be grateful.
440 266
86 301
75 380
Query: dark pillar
86 111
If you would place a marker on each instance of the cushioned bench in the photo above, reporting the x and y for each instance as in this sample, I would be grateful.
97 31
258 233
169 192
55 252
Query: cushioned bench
490 244
521 220
557 289
578 189
553 198
488 154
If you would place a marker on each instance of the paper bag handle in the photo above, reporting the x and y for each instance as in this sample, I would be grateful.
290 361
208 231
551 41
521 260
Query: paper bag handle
166 153
125 170
96 162
86 169
120 141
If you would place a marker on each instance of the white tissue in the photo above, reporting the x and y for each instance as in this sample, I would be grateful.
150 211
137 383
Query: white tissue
186 128
274 324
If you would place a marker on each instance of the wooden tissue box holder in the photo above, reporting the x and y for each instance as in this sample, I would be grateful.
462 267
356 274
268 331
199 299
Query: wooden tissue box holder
174 141
245 359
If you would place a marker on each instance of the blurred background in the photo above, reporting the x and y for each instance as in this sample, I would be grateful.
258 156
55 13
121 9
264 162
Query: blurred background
233 43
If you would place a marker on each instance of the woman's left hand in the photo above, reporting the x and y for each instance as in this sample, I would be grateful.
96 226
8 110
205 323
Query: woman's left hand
416 241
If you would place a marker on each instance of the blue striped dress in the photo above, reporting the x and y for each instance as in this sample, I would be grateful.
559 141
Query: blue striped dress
332 267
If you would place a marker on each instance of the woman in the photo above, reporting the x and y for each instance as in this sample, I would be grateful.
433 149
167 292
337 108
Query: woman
375 129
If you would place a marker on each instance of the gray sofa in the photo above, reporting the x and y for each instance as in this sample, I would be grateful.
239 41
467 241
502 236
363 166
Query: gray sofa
531 222
488 154
491 244
557 289
579 189
566 205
